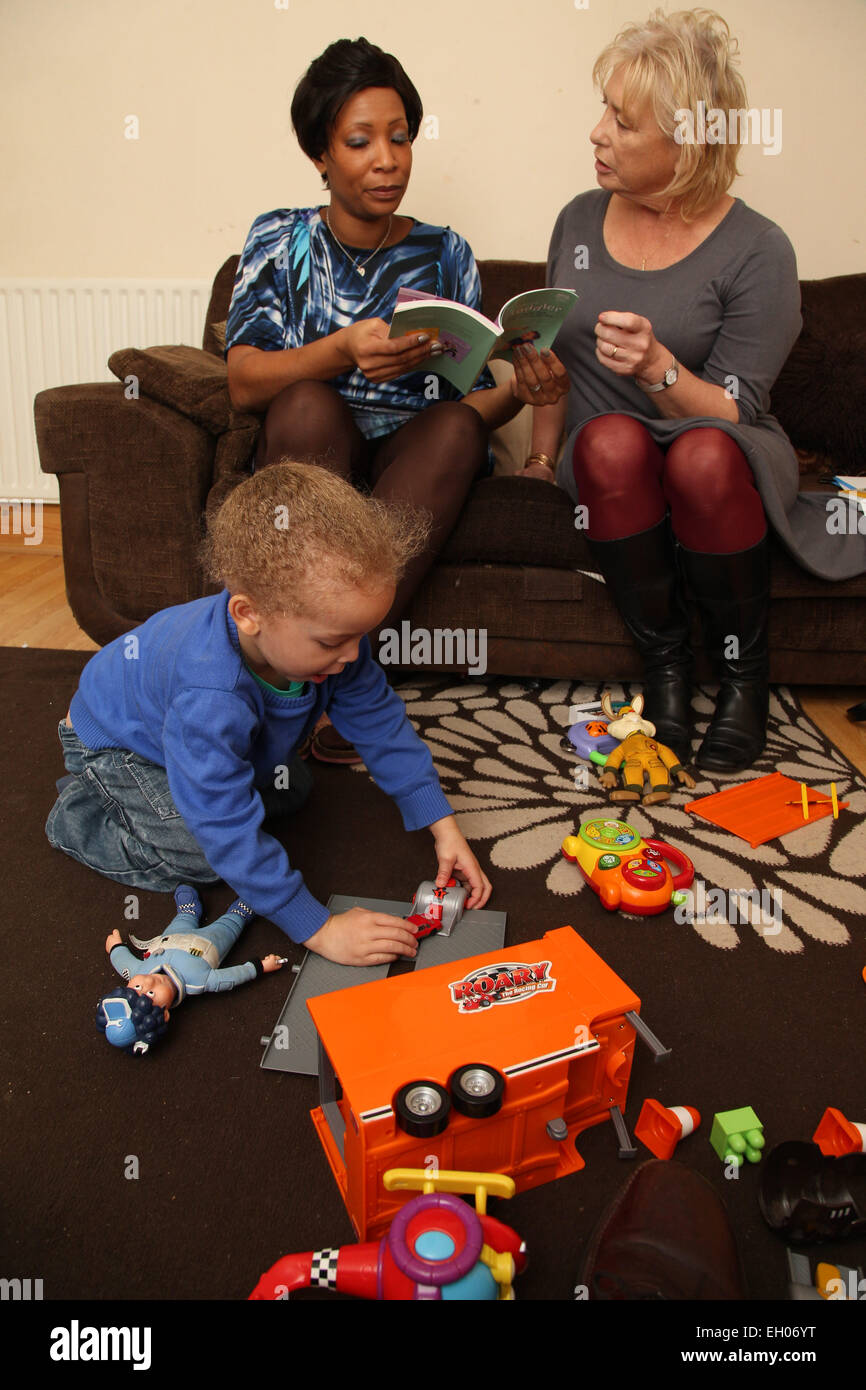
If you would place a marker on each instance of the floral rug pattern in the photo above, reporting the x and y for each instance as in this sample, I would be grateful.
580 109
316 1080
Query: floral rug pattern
497 747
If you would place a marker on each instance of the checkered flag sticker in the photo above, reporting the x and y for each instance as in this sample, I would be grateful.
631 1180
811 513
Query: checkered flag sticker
323 1274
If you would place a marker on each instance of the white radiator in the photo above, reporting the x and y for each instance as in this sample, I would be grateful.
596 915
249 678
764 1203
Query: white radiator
58 332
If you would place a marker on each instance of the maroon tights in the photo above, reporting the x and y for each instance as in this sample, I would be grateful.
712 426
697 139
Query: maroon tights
628 483
431 461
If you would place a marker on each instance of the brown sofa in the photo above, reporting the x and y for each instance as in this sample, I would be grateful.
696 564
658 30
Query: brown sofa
140 464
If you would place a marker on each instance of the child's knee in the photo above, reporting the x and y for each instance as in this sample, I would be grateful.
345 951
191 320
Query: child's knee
73 817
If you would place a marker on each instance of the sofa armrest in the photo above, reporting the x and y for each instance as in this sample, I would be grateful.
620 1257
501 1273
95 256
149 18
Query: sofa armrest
134 480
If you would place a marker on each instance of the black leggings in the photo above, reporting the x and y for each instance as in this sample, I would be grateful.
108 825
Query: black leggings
431 462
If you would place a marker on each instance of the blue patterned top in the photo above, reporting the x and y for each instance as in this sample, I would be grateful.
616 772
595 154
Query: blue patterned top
294 285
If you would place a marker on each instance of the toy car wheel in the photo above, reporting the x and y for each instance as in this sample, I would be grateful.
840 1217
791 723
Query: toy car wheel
422 1108
476 1090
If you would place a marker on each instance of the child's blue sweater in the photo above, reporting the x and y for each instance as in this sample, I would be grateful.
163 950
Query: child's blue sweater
177 692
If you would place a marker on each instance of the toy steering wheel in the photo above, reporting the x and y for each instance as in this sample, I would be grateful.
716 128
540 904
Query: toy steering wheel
436 1272
681 861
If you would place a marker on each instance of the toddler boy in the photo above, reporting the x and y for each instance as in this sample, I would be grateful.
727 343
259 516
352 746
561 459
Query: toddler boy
179 739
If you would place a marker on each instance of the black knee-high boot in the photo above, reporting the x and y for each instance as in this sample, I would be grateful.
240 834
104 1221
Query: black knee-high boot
641 574
733 594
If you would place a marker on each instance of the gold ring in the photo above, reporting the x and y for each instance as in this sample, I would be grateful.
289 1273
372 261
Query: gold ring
613 352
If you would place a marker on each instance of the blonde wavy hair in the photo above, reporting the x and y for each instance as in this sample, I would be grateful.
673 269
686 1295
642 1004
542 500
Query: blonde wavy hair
287 535
673 61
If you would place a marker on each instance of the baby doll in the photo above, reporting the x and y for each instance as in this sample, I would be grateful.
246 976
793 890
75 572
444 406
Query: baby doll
183 961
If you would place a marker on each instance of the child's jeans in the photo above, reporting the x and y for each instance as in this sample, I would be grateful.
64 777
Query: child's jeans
117 816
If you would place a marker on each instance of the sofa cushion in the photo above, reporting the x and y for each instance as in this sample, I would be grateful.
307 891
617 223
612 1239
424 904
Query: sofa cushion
189 380
502 280
218 308
554 623
232 459
819 398
516 521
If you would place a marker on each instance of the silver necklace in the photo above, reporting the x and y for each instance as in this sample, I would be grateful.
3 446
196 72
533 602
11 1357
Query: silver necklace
658 250
355 265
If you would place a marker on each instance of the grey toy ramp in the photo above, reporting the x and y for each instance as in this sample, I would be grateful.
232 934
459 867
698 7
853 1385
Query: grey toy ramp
293 1044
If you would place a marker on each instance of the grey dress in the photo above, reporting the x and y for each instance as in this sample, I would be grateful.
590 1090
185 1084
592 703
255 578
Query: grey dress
730 313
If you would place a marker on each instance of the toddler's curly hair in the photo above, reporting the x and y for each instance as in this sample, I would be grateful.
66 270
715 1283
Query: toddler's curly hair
291 532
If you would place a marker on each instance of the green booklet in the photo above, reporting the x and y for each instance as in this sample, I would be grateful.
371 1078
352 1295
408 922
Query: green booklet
468 339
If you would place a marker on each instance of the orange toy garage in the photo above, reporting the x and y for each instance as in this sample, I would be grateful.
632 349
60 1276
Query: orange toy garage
497 1062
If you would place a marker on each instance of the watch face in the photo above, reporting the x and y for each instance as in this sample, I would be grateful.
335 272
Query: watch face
670 376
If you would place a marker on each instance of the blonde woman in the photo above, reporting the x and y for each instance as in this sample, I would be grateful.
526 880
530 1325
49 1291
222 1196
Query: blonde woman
689 305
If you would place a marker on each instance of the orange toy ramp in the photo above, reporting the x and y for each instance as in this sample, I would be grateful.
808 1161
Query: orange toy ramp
495 1063
758 811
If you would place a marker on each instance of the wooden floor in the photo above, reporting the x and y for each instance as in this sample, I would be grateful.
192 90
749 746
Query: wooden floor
34 613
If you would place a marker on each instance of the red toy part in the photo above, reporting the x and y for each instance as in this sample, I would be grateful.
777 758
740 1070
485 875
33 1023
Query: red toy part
426 925
836 1136
437 1247
353 1269
676 857
662 1127
436 902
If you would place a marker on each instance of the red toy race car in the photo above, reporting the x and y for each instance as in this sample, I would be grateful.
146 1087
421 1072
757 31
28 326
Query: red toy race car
437 909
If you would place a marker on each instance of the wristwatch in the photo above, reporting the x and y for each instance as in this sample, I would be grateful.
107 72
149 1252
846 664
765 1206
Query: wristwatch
669 379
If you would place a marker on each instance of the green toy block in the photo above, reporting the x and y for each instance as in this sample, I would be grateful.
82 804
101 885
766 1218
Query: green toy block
737 1134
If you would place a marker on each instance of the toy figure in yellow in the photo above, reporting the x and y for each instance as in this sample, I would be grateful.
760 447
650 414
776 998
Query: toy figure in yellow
639 756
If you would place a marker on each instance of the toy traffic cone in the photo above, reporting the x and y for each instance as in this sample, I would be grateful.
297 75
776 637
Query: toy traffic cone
662 1127
836 1136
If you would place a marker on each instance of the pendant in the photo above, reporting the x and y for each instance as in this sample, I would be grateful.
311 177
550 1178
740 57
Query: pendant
361 270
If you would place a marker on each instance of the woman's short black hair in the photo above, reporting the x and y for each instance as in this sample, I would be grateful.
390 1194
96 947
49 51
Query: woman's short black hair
346 67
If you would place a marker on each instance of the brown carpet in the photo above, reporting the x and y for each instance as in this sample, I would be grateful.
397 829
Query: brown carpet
229 1170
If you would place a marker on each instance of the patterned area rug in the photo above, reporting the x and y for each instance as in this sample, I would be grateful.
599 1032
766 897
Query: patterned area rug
752 1016
517 793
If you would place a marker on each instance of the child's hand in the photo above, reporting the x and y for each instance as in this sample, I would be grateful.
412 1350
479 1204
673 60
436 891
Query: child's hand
114 940
362 937
273 963
456 858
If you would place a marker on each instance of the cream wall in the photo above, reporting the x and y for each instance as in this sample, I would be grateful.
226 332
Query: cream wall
210 83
